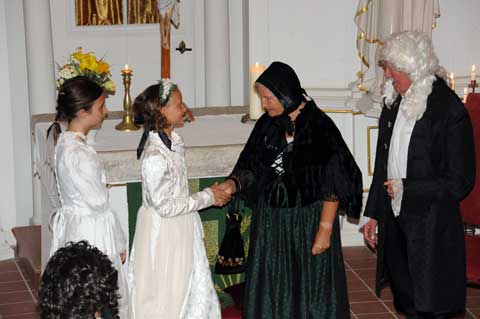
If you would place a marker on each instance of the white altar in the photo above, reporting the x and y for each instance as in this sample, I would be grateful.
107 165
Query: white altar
213 143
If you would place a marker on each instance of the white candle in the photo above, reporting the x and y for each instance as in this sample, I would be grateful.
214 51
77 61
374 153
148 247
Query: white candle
465 93
126 69
473 74
452 81
255 107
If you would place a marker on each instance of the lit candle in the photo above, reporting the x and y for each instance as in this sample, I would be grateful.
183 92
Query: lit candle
255 107
126 70
473 74
452 81
465 93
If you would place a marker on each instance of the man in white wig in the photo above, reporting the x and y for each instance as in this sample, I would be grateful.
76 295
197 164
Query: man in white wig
424 166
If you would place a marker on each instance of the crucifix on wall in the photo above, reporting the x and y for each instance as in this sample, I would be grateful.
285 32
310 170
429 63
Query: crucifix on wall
169 14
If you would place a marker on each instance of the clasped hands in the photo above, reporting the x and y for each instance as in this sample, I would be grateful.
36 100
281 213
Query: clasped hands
223 192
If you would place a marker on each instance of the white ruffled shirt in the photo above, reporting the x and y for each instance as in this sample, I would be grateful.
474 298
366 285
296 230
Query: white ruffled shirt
398 157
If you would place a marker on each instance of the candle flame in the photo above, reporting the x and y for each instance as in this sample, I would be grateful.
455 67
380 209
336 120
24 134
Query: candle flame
126 67
473 67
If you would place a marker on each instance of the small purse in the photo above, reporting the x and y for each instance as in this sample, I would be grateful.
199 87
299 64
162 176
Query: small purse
231 255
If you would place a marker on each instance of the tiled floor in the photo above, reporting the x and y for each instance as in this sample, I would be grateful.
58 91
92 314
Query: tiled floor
360 268
17 300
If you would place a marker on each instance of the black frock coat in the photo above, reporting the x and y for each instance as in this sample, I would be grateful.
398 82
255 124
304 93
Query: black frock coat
440 172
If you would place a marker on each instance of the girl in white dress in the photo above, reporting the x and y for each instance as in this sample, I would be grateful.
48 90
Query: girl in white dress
169 270
85 213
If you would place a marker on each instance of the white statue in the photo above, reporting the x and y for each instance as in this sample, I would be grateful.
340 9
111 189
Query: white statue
377 20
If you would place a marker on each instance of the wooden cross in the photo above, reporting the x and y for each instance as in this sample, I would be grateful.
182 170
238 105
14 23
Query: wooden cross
165 41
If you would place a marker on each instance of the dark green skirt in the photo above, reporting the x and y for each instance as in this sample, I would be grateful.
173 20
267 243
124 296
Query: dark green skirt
284 279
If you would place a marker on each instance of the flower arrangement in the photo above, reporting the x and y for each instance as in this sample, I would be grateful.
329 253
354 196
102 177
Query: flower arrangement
86 64
166 88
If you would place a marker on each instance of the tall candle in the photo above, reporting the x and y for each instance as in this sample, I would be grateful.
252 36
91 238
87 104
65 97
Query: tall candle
255 107
473 74
452 81
465 93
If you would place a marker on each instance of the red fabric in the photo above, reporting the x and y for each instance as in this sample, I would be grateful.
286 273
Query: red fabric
472 244
470 206
231 313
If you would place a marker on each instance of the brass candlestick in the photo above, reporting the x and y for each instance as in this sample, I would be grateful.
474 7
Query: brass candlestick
127 123
473 84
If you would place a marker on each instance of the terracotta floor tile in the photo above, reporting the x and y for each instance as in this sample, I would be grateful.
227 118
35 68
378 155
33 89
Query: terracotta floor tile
13 286
386 294
7 265
10 276
361 296
368 307
355 284
473 302
386 315
350 253
473 291
32 315
366 273
15 297
365 263
18 308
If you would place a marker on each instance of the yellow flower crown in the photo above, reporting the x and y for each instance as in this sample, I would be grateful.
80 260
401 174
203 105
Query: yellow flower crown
86 64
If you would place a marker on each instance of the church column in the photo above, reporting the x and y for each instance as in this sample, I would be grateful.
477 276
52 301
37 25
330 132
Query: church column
41 71
217 55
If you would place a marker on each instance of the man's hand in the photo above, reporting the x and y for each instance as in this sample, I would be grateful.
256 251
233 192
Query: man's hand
370 232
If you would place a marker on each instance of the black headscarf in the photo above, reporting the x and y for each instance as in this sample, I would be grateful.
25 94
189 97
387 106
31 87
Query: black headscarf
283 82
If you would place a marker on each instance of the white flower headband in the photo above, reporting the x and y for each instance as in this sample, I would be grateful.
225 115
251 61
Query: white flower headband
166 88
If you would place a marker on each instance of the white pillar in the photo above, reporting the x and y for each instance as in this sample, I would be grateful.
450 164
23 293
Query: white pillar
41 67
217 55
41 72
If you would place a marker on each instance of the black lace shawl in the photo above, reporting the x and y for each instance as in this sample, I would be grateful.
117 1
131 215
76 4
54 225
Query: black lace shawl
320 166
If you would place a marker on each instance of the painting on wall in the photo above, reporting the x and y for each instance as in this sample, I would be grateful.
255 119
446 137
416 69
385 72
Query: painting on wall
110 12
98 12
142 12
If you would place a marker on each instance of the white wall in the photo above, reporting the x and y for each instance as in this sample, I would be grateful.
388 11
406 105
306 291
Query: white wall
7 202
318 38
15 162
456 37
139 46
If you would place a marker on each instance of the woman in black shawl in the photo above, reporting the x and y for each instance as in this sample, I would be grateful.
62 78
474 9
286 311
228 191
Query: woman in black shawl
296 173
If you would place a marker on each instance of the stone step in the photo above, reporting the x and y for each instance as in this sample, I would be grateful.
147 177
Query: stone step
28 250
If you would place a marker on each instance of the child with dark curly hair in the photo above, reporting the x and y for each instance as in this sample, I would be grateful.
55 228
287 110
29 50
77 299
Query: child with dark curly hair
169 270
79 282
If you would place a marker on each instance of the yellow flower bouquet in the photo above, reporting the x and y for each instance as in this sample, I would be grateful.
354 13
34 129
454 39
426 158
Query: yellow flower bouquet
86 64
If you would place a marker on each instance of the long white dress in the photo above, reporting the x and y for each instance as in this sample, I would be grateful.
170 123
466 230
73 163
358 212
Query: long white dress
85 213
169 271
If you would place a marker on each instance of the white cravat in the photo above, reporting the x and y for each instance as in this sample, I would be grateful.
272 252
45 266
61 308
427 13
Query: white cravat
398 157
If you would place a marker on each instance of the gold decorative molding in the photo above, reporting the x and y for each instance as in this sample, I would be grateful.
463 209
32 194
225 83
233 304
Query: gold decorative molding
369 157
116 185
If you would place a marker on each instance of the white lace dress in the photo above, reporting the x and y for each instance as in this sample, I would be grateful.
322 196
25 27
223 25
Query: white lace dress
85 213
169 272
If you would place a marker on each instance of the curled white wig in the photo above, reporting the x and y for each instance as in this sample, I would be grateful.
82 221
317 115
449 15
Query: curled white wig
412 53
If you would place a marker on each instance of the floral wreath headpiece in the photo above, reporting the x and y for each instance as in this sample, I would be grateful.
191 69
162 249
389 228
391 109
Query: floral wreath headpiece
166 87
86 64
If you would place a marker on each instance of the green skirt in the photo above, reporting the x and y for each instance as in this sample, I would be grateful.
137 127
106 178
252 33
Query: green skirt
284 279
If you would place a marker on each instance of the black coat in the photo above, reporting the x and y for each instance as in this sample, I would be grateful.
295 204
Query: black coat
440 172
320 165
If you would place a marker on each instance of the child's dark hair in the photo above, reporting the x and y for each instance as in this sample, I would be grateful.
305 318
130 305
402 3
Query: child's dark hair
146 107
75 94
79 280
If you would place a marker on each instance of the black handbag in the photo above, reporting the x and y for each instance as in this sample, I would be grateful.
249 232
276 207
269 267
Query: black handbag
231 255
